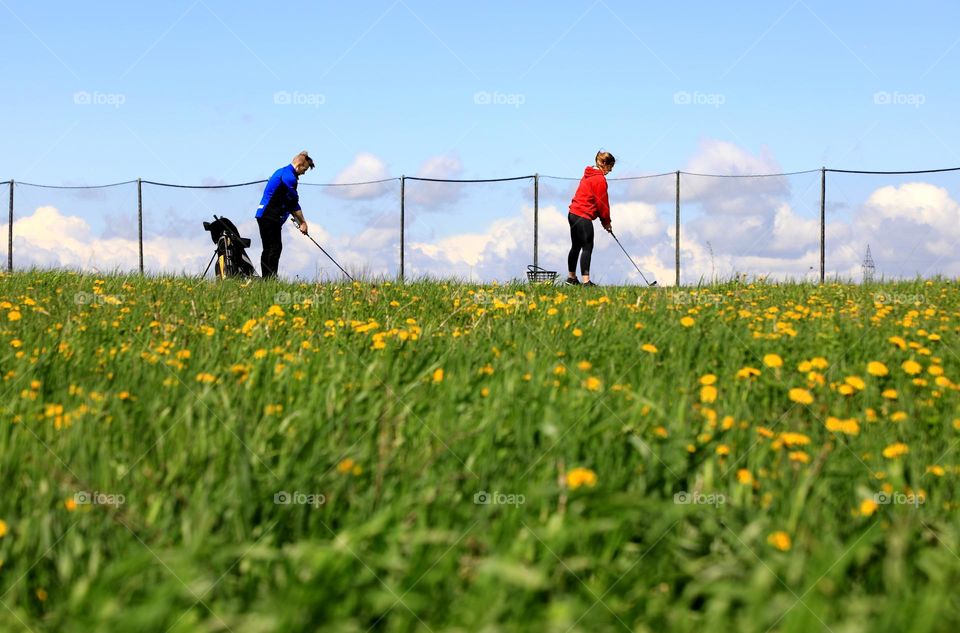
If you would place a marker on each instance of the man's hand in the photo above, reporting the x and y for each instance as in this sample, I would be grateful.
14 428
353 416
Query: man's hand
303 227
608 227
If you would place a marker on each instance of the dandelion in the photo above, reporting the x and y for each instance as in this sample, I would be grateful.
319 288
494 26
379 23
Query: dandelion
345 466
748 373
780 540
206 378
899 416
744 477
794 439
13 315
3 528
41 594
898 341
773 361
876 368
723 450
438 375
276 311
687 321
661 432
708 394
890 394
799 456
70 504
649 348
912 367
896 450
801 396
936 470
485 392
708 379
577 332
248 326
592 383
856 382
581 477
847 427
868 507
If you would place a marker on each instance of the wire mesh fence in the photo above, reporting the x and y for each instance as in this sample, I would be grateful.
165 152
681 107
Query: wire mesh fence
679 227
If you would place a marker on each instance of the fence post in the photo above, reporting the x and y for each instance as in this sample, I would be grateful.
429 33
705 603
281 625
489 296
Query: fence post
10 232
140 220
823 222
536 220
403 183
676 263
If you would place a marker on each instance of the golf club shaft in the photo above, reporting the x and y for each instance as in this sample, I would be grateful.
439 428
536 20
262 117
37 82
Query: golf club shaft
329 256
630 258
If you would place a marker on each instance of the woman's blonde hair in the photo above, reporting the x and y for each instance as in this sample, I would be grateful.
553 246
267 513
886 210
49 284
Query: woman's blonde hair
303 157
606 159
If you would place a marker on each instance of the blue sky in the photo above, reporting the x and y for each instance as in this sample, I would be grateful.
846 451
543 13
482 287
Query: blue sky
194 91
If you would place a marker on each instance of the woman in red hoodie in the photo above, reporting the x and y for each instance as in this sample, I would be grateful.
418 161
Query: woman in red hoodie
589 203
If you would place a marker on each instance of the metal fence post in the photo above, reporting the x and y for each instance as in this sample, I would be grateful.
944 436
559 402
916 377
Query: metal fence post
140 220
823 222
676 263
536 220
10 232
403 183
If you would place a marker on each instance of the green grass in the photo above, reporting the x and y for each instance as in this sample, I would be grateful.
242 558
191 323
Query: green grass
96 398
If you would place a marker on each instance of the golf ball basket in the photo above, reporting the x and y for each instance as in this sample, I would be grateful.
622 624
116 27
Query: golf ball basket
535 274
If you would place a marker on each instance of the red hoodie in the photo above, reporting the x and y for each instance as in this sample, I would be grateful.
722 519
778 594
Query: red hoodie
591 200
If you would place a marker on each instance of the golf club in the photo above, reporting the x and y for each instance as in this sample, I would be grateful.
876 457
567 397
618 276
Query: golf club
294 220
633 262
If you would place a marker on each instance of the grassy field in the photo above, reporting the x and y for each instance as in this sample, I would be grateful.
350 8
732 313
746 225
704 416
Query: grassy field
180 455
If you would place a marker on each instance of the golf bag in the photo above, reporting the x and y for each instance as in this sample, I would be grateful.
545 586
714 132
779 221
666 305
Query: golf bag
231 253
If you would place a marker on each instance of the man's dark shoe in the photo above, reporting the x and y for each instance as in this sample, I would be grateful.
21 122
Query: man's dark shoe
573 281
589 283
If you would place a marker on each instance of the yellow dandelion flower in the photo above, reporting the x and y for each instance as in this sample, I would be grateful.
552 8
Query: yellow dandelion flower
260 354
748 372
936 470
708 379
847 427
899 416
248 326
876 368
592 383
723 450
438 375
206 378
890 394
13 315
801 396
649 348
708 394
819 362
584 365
780 540
896 450
42 594
805 367
559 370
912 367
868 507
70 504
856 382
846 390
577 332
898 341
485 392
799 456
581 477
660 432
345 466
794 439
773 361
687 321
745 477
276 311
3 528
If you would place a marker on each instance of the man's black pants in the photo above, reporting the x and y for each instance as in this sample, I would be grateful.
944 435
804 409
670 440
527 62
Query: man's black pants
270 231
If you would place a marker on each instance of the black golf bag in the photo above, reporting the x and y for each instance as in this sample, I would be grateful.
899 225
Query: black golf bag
231 253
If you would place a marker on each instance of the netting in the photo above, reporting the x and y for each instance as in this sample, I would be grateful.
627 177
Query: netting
93 229
911 222
753 227
642 212
470 230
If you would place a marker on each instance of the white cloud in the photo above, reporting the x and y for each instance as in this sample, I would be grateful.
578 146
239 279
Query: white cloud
364 168
430 196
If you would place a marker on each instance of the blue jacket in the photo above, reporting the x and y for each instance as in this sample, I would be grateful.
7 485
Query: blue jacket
280 196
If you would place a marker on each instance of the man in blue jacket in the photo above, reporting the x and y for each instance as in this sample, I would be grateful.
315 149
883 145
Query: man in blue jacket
280 201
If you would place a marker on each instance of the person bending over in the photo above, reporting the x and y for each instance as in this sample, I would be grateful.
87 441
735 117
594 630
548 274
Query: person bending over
280 200
589 203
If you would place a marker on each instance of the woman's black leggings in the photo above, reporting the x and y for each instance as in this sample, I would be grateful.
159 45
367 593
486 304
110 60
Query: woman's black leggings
581 239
